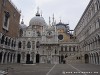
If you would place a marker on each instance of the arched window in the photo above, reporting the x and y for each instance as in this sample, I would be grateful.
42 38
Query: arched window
74 48
12 43
28 45
37 44
9 42
2 39
55 51
61 48
6 41
15 44
19 44
69 48
66 48
38 33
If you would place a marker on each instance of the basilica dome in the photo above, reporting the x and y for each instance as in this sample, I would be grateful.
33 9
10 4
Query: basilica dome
37 20
22 25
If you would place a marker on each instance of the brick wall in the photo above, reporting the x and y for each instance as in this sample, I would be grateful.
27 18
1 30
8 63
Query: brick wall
14 19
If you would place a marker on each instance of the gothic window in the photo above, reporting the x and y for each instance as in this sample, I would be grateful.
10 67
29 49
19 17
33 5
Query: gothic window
12 43
37 44
6 20
61 48
9 42
99 22
38 33
55 51
29 45
98 5
19 44
69 48
6 41
73 48
15 44
66 48
2 39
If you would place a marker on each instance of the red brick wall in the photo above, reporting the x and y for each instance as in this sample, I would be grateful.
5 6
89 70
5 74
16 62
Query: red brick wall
14 20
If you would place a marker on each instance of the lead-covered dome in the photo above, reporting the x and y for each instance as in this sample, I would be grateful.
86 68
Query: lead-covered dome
37 20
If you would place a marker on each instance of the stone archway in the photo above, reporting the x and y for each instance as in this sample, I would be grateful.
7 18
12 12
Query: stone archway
0 57
37 58
18 58
86 56
28 59
62 58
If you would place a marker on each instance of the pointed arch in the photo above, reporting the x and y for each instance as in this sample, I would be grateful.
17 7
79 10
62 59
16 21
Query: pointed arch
2 39
19 44
28 44
86 56
6 41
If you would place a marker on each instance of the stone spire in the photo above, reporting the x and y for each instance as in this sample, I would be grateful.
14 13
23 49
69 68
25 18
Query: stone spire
53 19
22 22
37 14
49 21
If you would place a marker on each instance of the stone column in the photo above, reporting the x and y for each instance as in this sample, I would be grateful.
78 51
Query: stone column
67 48
9 58
92 59
75 48
71 48
25 58
6 58
34 58
96 60
12 58
89 59
99 59
2 58
16 58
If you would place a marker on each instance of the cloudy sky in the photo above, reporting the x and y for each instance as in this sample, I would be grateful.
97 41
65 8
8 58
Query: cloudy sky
69 11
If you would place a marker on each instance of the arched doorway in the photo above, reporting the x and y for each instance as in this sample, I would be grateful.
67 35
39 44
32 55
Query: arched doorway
18 58
86 58
62 58
0 57
37 58
28 59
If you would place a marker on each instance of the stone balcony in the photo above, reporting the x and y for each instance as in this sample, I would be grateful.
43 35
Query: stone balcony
2 46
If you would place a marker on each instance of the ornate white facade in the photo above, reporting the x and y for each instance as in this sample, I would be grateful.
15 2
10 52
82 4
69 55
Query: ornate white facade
41 43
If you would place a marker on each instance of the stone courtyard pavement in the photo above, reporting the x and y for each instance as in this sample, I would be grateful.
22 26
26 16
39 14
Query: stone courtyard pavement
51 69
